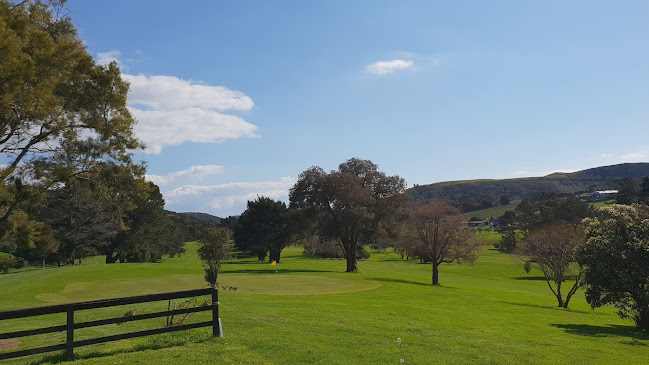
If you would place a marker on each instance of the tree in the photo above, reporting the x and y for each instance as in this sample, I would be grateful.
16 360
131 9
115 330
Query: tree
504 199
45 245
551 249
508 226
348 204
436 225
213 252
263 228
643 196
53 96
627 191
616 260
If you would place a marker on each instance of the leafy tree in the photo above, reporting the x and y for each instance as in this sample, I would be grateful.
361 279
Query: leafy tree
436 225
53 97
508 226
551 249
214 251
643 196
348 204
263 228
627 192
149 233
45 245
616 260
504 199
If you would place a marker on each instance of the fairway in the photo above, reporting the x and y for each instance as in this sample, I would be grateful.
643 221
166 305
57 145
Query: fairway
309 311
270 283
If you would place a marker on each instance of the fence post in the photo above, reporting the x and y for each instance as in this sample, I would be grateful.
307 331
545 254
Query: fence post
216 328
69 349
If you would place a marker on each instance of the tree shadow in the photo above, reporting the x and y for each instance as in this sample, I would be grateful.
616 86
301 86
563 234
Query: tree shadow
534 278
634 333
155 344
403 281
273 271
551 307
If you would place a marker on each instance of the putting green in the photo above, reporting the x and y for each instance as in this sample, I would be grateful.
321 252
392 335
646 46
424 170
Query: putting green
276 284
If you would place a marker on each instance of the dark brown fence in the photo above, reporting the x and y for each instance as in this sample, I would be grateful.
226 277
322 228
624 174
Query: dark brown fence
70 326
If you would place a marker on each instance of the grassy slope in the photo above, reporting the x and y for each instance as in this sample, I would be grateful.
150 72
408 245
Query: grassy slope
489 312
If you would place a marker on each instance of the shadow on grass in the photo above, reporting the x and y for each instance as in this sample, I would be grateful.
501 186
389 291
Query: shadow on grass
273 270
541 278
154 344
552 307
403 281
606 331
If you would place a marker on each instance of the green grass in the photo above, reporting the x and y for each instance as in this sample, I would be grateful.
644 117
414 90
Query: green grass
492 212
309 311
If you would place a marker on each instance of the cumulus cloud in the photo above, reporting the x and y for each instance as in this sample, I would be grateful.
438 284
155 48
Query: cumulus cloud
225 199
386 67
170 92
160 128
171 111
636 156
192 173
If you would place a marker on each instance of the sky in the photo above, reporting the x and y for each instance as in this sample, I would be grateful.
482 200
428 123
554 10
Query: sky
235 99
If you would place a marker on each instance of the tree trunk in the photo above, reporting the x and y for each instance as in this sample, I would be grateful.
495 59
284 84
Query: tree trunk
559 298
43 262
435 273
350 253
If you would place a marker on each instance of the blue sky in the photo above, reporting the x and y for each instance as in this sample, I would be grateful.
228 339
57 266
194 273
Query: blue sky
236 98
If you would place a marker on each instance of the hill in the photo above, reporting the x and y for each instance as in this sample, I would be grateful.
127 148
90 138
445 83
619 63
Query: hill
604 177
202 217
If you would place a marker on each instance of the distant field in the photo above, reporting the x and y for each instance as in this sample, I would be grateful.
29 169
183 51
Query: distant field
308 311
492 212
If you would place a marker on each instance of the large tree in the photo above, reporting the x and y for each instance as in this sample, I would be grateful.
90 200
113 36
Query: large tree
616 260
348 204
263 228
54 97
442 239
551 248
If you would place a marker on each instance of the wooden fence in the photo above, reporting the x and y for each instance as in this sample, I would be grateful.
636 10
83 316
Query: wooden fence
70 326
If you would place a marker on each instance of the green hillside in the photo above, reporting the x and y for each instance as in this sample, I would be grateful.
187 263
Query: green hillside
604 177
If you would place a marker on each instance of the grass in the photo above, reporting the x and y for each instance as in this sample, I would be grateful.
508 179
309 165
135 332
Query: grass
308 311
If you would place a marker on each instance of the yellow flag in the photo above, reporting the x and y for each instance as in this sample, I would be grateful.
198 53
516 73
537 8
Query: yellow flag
273 263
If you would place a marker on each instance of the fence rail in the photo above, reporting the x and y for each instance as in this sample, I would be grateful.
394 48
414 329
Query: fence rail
70 325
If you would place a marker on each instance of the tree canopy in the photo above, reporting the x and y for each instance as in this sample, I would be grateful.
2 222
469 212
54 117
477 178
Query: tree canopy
616 260
348 204
263 228
436 226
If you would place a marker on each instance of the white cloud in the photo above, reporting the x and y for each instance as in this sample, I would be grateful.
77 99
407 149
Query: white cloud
171 111
104 58
636 156
606 155
170 92
386 67
158 128
225 199
192 173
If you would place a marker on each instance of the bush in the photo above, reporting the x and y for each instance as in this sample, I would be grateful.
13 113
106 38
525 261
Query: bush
7 263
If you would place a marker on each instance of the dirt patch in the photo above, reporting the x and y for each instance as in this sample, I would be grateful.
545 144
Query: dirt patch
9 344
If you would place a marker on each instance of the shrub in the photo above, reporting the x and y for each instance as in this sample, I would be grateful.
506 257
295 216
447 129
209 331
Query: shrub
7 263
